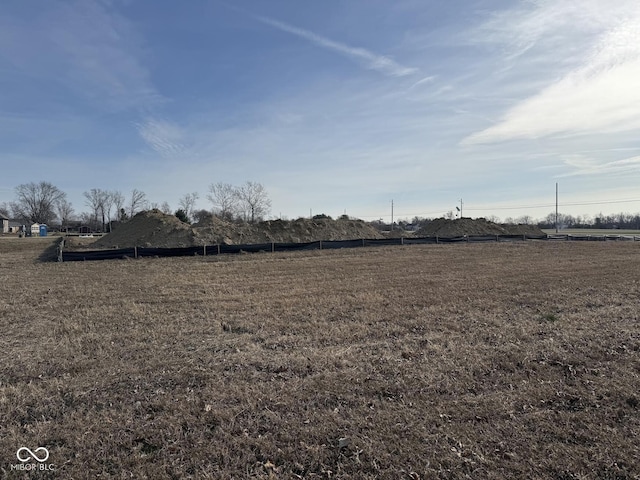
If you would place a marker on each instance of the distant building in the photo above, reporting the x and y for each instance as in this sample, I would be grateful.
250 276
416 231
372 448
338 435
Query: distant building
4 223
35 229
15 226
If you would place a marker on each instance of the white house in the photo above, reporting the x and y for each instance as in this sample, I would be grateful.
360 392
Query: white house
4 223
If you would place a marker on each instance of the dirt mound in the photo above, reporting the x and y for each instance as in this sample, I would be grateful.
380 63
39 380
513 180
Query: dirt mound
156 229
524 230
150 229
442 227
214 231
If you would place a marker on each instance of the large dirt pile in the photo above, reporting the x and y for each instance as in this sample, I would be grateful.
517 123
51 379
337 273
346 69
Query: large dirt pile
215 231
150 229
442 227
156 229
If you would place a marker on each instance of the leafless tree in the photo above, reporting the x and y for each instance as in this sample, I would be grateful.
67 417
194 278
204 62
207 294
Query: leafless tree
100 202
65 211
225 200
187 203
525 220
138 202
254 201
118 203
165 208
36 202
4 209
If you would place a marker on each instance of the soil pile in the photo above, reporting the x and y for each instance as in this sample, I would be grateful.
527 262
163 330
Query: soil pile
442 227
215 231
156 229
149 229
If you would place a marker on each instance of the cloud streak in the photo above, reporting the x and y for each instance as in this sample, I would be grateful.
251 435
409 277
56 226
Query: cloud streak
584 166
596 96
163 137
372 61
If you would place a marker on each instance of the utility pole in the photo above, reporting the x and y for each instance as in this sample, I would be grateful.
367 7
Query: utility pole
461 208
392 214
556 207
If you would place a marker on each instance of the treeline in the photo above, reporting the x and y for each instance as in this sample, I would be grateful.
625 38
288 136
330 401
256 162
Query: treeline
45 203
622 221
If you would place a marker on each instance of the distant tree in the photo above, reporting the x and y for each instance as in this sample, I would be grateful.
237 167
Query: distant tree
449 215
187 203
36 202
182 216
225 200
137 203
254 201
118 204
165 208
525 220
202 215
321 216
101 203
492 218
4 209
64 210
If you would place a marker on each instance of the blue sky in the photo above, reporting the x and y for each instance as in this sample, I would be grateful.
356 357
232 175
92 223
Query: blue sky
333 106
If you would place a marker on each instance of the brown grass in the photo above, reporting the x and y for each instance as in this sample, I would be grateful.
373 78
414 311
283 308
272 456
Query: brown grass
474 361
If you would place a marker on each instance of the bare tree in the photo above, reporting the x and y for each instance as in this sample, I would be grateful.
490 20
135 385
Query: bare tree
224 198
4 209
165 208
138 202
254 201
525 220
187 203
36 202
118 202
65 211
100 202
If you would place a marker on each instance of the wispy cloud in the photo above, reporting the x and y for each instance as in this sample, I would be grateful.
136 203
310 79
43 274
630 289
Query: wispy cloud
598 95
370 59
585 166
162 136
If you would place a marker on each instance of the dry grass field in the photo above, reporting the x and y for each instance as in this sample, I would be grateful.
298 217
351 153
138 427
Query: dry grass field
474 361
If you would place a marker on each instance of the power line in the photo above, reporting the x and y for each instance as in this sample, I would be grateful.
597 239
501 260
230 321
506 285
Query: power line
566 204
516 207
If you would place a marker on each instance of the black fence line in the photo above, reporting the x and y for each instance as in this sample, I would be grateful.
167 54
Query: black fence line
206 250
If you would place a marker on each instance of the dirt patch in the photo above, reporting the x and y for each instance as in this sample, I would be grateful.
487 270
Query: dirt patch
156 229
442 227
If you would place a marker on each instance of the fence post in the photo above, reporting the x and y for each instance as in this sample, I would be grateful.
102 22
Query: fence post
320 244
60 248
273 247
135 252
401 240
204 250
218 249
437 239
